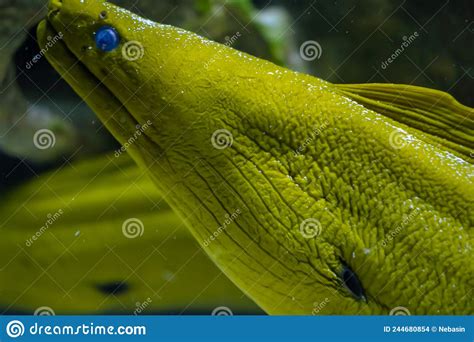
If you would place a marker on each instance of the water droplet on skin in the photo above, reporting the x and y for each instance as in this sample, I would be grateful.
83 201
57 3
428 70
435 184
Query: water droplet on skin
77 233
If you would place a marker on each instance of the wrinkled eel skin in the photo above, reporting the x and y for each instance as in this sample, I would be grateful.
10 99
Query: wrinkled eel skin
336 208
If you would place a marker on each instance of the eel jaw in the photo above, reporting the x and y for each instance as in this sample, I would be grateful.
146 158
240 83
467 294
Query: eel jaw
114 115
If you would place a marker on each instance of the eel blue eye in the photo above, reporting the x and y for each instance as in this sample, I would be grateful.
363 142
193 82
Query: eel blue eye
107 38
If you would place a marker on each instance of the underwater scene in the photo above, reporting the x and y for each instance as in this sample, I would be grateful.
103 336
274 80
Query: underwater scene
236 157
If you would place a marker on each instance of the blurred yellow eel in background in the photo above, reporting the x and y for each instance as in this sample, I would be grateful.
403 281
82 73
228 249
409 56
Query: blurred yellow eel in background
354 199
96 237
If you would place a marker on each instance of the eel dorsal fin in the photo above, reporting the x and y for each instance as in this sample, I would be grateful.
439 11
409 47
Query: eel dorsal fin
433 112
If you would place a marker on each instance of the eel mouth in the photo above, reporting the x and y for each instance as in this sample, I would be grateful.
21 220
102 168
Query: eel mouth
112 112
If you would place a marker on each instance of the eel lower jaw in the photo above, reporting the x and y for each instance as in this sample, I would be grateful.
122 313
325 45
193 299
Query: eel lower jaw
114 115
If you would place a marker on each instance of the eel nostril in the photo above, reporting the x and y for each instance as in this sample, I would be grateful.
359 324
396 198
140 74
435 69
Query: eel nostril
54 8
53 13
56 4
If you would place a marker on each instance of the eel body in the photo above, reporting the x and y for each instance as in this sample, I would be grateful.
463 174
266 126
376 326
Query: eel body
343 199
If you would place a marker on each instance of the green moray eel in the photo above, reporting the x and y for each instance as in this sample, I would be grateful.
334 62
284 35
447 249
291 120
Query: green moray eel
350 199
63 246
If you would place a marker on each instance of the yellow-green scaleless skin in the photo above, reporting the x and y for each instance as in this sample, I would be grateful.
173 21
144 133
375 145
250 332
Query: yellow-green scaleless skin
322 184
